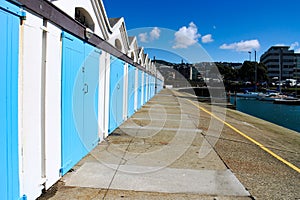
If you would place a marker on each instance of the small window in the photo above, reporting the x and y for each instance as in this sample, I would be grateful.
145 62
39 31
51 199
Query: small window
83 17
132 56
118 44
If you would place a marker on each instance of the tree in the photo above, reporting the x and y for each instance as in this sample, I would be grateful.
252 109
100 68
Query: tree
247 72
227 71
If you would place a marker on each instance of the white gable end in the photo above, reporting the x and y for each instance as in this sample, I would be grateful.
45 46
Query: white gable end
82 11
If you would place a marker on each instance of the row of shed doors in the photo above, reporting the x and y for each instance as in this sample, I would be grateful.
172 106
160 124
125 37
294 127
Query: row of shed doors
79 101
116 93
80 72
80 79
80 75
140 88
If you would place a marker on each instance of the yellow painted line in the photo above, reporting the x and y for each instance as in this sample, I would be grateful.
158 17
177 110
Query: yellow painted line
248 138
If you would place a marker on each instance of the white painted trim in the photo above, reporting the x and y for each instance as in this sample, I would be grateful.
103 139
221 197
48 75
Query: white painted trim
20 109
102 18
125 92
133 48
69 8
101 96
142 89
147 88
30 115
107 94
104 81
136 86
53 105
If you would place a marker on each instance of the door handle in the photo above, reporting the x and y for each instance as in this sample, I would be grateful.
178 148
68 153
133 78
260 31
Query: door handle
86 88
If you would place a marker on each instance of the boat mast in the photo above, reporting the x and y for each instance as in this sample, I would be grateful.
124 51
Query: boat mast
255 78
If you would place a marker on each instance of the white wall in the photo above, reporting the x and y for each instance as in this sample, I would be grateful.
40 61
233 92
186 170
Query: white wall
40 98
39 106
117 35
30 108
53 106
68 6
113 38
142 93
136 85
147 88
125 92
103 107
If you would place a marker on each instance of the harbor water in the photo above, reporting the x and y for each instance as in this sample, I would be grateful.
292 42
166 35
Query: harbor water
284 115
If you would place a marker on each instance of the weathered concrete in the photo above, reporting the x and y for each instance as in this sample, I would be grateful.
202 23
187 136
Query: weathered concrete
181 152
166 180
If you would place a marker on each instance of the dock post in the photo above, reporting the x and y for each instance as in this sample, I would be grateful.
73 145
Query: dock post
228 97
234 98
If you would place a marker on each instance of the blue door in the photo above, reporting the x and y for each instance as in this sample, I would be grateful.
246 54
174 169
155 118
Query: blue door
153 87
131 90
145 88
80 72
91 81
9 50
139 90
158 85
150 86
116 93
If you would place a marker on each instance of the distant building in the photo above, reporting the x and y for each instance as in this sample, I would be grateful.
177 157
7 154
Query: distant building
297 67
280 62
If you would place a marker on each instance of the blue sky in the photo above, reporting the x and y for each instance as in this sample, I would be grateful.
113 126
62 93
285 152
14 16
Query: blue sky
225 29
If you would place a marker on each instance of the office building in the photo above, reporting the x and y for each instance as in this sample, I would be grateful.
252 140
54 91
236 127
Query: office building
280 62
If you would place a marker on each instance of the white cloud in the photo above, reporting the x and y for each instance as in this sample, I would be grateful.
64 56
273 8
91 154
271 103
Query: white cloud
207 38
143 37
186 36
247 45
155 33
279 45
294 45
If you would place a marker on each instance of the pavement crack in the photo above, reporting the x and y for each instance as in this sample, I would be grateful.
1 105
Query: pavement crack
116 171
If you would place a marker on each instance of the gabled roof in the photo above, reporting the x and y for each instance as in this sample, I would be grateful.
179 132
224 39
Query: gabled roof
141 50
130 38
113 21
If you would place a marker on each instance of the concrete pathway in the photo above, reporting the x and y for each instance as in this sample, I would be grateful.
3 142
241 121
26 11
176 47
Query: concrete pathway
171 150
156 152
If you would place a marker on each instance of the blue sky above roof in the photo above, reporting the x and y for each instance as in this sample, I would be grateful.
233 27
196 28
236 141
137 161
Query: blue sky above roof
226 30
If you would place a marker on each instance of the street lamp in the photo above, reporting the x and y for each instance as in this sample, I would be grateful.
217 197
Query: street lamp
249 55
255 70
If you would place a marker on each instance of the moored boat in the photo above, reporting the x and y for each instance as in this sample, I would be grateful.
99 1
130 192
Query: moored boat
270 97
287 101
247 94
